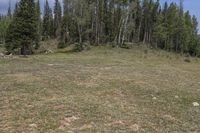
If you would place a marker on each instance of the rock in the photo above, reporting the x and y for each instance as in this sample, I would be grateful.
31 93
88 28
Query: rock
50 64
85 126
62 127
134 127
176 97
33 125
154 98
67 122
195 104
1 55
49 51
6 56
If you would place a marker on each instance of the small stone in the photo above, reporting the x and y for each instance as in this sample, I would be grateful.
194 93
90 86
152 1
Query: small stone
1 55
176 97
195 104
154 98
30 106
85 126
50 64
134 127
48 52
33 125
62 127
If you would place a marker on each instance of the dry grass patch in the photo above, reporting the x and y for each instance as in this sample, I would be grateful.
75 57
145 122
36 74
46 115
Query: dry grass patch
23 77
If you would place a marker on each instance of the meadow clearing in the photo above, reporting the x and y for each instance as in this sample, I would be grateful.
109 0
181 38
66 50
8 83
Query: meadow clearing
100 90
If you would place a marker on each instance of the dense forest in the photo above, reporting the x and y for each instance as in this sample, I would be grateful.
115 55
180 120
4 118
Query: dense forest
100 22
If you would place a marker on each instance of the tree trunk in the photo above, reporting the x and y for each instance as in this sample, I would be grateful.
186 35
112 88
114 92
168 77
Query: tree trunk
80 37
120 32
25 50
145 35
80 29
97 22
125 28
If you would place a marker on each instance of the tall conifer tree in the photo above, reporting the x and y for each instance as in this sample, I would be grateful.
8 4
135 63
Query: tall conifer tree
47 21
57 18
22 32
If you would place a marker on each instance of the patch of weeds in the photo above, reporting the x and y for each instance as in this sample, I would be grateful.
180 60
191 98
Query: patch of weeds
87 46
146 51
187 60
113 44
77 48
169 57
126 46
145 57
3 61
196 59
187 55
61 45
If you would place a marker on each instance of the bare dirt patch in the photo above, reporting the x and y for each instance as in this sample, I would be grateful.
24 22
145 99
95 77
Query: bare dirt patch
67 121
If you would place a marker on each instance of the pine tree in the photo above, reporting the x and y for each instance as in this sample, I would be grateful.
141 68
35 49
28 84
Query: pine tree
159 32
147 21
22 32
57 18
9 14
194 47
51 22
16 8
47 27
138 21
64 34
4 23
172 18
38 15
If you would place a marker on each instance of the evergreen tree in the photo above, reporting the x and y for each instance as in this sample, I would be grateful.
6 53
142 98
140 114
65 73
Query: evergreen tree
4 23
194 47
9 14
57 18
138 21
22 32
64 34
38 15
47 27
159 32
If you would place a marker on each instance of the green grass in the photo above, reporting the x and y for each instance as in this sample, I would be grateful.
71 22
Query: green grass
100 90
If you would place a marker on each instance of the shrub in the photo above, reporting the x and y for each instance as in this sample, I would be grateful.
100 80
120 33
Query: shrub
77 48
61 45
187 60
145 51
125 46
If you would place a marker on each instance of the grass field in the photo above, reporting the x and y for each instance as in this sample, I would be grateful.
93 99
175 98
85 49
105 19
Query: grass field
100 90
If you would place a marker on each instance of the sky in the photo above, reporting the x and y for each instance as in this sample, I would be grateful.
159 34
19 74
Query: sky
192 5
